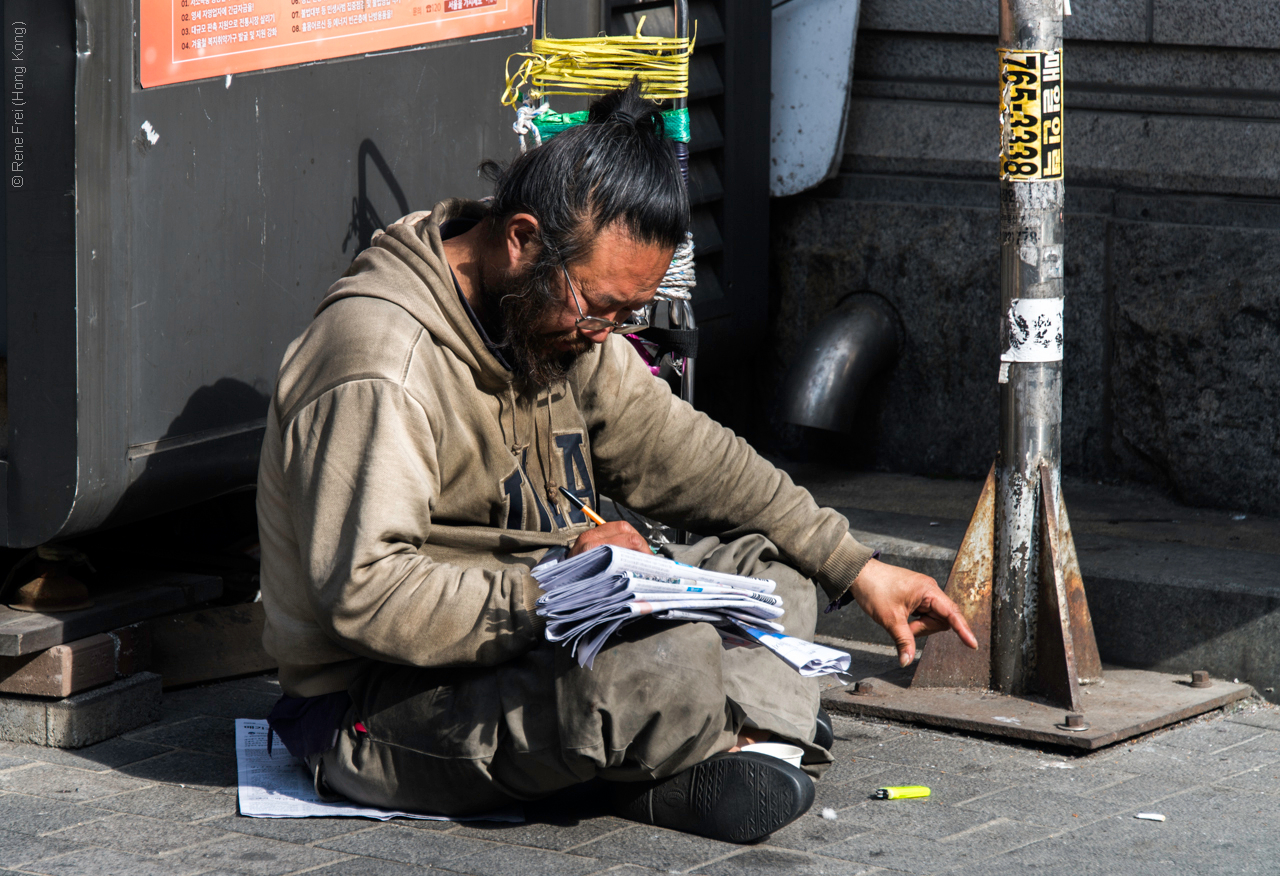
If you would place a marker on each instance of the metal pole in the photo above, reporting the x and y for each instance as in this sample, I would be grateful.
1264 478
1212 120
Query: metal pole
1031 291
681 312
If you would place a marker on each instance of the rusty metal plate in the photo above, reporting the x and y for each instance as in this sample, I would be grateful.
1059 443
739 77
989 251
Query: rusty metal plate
1128 703
1084 644
946 661
1055 665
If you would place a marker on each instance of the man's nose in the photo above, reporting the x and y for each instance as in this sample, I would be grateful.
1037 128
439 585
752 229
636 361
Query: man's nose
595 336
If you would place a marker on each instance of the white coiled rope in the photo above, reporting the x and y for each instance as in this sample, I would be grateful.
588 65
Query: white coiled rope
680 278
524 123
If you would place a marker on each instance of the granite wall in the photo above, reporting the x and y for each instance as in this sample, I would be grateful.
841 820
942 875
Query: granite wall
1173 243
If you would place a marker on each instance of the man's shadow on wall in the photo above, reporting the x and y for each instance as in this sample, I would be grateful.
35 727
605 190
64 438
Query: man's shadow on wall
364 216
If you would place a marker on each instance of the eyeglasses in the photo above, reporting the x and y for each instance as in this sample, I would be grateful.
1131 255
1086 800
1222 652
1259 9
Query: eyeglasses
638 320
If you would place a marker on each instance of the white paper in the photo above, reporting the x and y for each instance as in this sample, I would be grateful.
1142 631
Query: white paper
277 786
590 597
609 560
807 658
1033 330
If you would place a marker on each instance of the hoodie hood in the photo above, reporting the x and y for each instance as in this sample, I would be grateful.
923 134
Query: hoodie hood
406 265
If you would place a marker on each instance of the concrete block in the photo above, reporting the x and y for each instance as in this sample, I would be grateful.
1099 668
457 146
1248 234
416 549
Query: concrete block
961 16
1120 149
1245 23
1120 20
95 715
1186 153
75 666
210 644
84 718
898 57
1196 369
1179 80
890 136
1193 210
62 670
22 720
1170 68
142 595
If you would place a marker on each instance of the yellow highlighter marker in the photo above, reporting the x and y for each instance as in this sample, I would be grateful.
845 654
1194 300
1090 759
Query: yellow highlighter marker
902 792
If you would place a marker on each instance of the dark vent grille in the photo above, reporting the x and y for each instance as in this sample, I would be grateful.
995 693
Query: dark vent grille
728 185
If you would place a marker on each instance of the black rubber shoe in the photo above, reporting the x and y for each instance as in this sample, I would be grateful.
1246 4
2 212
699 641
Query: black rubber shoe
825 737
737 797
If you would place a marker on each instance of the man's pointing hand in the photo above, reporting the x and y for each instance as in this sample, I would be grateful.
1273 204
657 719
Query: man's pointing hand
891 595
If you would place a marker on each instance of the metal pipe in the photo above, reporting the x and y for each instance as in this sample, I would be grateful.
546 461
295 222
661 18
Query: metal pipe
1031 291
681 312
857 340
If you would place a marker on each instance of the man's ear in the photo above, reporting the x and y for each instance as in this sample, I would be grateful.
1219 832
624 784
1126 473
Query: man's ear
520 240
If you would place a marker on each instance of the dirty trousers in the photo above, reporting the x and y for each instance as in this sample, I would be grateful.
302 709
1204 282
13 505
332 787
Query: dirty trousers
661 697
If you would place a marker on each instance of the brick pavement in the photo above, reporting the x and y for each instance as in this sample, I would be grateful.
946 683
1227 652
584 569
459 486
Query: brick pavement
161 800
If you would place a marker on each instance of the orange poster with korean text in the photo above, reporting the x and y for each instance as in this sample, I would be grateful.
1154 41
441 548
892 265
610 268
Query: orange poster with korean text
182 40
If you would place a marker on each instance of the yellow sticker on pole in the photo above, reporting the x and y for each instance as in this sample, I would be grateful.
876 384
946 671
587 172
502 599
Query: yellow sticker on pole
1030 115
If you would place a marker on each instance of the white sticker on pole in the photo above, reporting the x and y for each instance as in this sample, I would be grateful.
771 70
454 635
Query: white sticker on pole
1033 331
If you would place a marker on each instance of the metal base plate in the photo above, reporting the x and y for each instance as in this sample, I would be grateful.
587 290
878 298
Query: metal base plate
1127 703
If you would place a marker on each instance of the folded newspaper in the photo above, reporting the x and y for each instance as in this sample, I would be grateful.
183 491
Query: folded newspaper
807 658
590 597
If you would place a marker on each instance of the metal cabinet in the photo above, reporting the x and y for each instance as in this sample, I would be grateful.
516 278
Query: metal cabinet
165 244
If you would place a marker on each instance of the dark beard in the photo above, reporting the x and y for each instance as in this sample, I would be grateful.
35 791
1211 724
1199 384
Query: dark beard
517 304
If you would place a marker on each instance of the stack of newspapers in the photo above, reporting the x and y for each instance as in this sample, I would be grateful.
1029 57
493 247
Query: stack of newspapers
590 597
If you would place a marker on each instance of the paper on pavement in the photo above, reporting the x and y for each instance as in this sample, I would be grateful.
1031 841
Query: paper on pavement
277 786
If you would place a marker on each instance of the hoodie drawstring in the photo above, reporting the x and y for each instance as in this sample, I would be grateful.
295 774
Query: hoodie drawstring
553 495
513 438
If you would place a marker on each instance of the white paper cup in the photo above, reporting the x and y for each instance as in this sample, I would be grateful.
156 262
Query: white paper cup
790 753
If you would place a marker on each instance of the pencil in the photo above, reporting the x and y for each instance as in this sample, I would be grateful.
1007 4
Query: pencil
591 515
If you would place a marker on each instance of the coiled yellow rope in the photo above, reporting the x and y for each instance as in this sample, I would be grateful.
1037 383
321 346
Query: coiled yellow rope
595 65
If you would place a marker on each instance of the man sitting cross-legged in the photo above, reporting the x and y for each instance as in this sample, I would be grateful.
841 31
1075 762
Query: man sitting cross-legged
463 370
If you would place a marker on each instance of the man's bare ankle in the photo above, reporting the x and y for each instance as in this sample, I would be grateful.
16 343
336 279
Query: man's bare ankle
750 736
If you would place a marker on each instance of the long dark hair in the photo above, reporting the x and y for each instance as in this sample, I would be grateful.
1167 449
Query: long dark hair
617 167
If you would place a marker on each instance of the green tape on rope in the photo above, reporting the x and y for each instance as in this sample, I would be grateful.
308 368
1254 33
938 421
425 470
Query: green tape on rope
675 123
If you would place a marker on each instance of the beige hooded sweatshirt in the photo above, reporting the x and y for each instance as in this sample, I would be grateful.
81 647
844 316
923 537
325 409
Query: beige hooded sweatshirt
407 487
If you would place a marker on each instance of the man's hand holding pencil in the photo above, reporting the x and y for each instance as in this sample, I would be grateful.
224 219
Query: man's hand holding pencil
616 532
